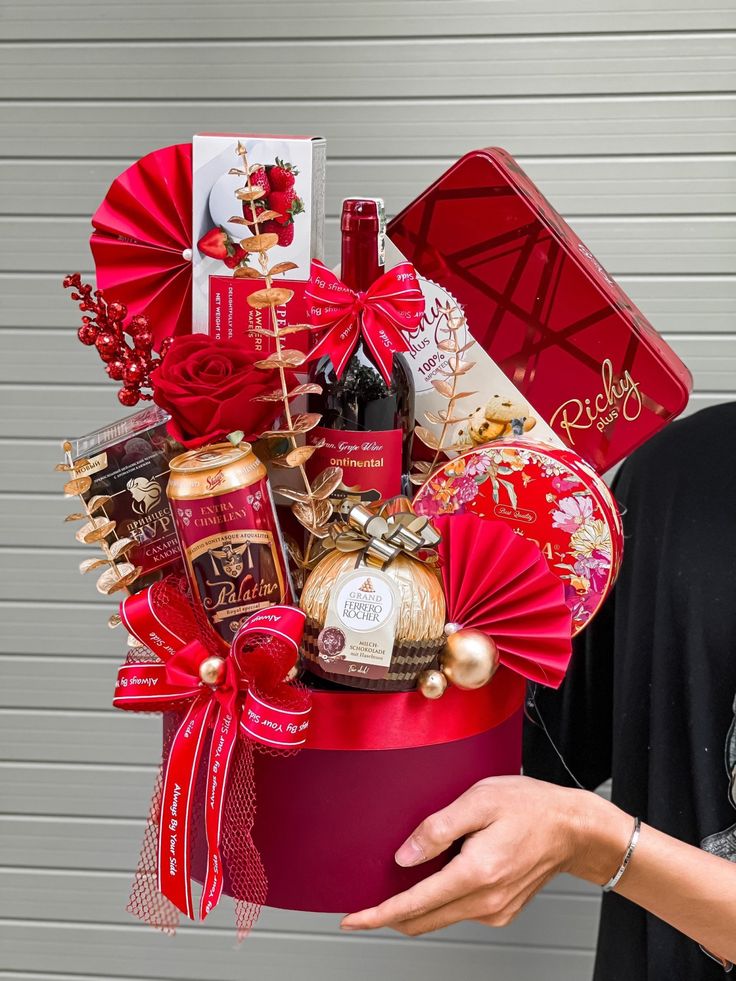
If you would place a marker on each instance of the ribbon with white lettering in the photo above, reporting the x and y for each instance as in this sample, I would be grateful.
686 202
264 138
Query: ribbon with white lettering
383 315
263 646
244 693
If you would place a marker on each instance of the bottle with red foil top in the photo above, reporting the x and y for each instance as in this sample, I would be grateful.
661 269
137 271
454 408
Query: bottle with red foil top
228 533
367 424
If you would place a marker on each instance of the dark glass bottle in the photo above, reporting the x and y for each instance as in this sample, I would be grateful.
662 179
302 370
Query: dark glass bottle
367 425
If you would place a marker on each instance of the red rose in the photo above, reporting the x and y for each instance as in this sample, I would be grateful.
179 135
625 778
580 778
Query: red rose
210 388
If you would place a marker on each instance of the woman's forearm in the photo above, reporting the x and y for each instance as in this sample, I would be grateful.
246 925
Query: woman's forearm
518 833
690 889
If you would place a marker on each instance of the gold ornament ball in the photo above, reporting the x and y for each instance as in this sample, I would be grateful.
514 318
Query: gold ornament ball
212 670
469 658
432 683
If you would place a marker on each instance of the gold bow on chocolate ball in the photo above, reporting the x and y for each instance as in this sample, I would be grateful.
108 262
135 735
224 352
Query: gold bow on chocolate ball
385 534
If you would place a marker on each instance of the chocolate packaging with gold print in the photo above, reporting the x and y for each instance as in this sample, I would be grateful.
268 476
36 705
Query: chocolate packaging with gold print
228 533
128 463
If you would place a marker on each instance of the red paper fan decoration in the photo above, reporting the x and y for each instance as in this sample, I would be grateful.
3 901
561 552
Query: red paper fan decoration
142 243
499 583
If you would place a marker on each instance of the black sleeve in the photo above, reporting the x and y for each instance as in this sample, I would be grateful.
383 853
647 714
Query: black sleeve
577 718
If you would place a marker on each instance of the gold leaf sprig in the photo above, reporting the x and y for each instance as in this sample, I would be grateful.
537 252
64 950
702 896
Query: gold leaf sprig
446 383
311 505
98 529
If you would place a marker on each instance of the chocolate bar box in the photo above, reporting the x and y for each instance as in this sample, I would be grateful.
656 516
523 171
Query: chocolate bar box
129 461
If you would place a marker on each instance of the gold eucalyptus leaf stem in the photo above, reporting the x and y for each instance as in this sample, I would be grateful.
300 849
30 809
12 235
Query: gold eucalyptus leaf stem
443 433
263 261
102 543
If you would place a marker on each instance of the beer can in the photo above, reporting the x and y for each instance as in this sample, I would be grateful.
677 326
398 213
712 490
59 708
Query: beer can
228 533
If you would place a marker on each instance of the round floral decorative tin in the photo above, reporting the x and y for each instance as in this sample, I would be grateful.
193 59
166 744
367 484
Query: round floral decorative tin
548 495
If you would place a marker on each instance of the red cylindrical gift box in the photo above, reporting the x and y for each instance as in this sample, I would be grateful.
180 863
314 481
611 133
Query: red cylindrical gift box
330 818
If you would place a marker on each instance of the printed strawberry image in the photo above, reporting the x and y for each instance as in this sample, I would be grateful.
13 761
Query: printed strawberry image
279 204
237 256
214 243
282 175
287 203
260 178
285 233
217 244
259 206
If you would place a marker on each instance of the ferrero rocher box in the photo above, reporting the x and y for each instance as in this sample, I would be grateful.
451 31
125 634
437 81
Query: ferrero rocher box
129 463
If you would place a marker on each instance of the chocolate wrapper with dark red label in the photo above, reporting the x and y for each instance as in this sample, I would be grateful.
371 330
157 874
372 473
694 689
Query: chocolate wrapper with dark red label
129 463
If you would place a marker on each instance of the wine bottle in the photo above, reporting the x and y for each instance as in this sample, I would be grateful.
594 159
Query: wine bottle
367 424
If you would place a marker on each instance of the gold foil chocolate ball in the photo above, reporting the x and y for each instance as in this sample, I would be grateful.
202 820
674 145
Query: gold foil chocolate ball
419 627
469 658
212 670
432 683
422 613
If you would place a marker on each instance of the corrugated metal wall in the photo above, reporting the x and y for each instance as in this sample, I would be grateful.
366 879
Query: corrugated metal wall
620 109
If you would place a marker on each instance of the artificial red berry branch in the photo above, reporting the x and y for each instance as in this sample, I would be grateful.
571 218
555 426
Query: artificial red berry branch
104 327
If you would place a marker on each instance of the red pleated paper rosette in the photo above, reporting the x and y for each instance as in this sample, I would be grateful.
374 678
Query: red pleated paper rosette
499 583
142 243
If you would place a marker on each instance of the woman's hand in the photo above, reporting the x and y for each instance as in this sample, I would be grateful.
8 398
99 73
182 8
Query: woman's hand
519 833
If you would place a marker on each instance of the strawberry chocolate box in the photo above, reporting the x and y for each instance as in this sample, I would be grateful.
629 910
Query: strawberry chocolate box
285 192
542 309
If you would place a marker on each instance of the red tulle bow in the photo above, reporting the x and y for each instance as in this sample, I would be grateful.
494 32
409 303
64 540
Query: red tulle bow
390 307
248 696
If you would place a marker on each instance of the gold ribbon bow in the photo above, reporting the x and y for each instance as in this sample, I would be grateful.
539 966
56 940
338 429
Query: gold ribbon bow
385 534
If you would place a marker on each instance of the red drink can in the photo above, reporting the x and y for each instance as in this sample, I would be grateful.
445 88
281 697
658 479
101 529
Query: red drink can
228 533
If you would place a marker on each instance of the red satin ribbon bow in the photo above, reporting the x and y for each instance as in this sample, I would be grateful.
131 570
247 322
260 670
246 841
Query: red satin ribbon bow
250 698
390 307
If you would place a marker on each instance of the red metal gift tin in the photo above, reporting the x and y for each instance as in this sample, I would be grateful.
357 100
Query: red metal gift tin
543 308
548 495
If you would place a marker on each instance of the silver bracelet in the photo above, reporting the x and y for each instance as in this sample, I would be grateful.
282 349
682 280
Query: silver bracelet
614 880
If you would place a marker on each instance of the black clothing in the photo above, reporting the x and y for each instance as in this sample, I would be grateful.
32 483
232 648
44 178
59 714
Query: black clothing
648 699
